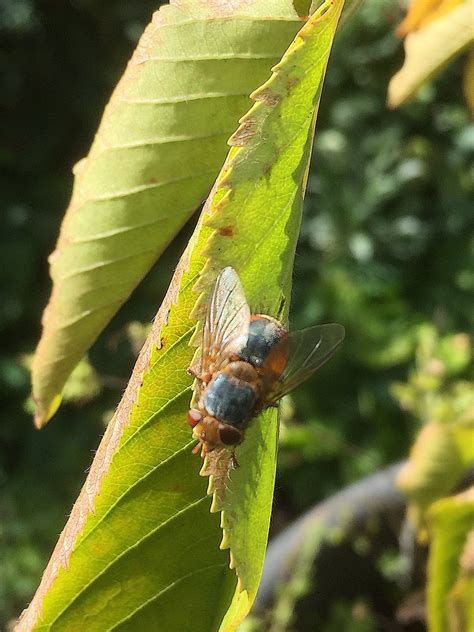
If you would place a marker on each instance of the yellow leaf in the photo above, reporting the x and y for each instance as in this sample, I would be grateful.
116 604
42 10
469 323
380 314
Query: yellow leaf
430 49
416 14
422 12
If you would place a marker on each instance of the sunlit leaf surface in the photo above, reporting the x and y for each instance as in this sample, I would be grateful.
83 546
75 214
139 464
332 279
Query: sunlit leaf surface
159 148
141 549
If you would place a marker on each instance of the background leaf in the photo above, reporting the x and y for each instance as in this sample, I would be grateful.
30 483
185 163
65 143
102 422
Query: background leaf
429 49
451 520
159 148
460 602
468 81
151 544
422 12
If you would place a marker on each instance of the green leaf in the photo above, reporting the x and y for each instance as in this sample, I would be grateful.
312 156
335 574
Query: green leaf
141 548
460 601
428 50
463 434
451 520
434 467
159 148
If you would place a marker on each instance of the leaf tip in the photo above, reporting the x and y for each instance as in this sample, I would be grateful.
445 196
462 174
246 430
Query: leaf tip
44 413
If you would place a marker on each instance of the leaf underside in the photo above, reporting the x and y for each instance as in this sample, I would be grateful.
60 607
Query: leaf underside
141 549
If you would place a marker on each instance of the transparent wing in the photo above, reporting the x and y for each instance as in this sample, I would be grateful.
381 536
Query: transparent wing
305 351
227 321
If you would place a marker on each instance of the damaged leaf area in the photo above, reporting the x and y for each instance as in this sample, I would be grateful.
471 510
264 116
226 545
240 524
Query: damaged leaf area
158 150
142 548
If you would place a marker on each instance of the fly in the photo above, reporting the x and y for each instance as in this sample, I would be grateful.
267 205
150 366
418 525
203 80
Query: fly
248 362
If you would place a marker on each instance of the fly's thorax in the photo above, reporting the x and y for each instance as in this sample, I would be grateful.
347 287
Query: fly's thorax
243 371
264 335
232 394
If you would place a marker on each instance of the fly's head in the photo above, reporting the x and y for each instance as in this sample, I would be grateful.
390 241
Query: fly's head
212 433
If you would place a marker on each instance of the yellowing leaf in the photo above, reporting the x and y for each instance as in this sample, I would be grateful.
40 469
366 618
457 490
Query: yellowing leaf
428 50
422 12
141 549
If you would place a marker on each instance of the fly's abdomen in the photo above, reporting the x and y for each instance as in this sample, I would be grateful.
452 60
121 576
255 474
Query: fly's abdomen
229 399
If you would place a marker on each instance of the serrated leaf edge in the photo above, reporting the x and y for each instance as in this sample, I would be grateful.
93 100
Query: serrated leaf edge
249 126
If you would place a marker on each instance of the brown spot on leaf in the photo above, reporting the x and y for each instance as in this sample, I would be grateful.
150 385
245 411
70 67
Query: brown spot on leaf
227 231
291 83
152 181
268 97
176 488
246 131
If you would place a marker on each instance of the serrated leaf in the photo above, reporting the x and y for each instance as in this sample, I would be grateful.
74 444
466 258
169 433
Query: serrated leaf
148 556
428 50
451 520
160 145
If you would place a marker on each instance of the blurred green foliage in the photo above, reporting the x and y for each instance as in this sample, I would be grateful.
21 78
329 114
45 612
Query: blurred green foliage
387 246
441 400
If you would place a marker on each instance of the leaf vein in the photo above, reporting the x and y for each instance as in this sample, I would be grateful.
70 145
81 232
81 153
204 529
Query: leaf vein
184 98
144 187
125 551
164 590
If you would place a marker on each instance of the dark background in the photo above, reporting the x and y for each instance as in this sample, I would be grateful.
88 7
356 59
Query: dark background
386 246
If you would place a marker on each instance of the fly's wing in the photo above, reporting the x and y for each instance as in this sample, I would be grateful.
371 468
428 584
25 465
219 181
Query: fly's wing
227 321
306 351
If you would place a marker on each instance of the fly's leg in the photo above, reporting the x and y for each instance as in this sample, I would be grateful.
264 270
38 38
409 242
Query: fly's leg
203 448
196 372
193 371
234 464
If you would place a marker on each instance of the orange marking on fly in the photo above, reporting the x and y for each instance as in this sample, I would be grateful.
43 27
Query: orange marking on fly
248 362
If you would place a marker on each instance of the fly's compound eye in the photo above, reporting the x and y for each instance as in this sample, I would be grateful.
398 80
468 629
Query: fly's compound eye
229 435
194 417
